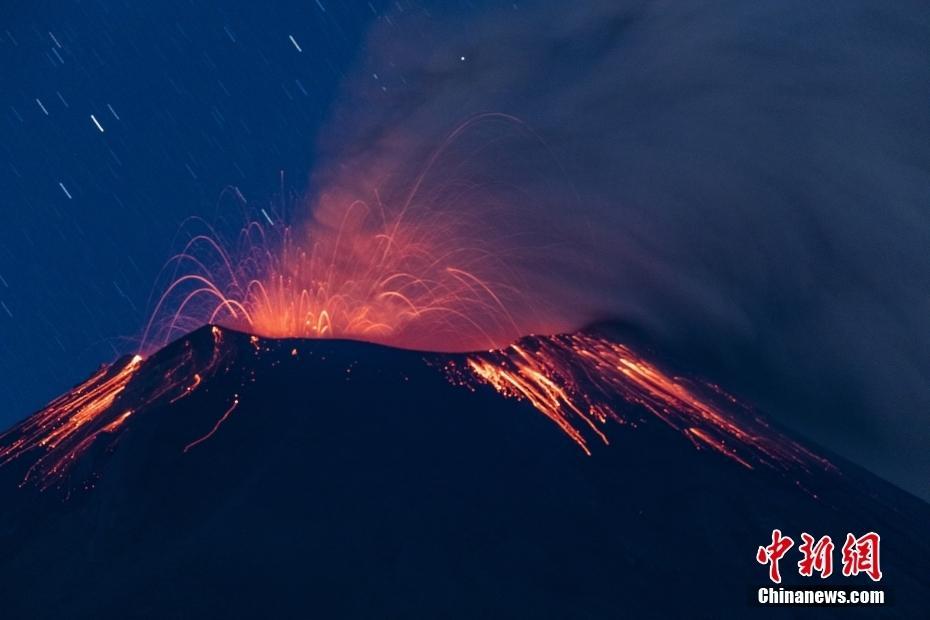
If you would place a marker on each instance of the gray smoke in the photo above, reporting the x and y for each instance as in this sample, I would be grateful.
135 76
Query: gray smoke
747 182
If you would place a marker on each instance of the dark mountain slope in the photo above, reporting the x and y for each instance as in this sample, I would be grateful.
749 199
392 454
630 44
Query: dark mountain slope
353 480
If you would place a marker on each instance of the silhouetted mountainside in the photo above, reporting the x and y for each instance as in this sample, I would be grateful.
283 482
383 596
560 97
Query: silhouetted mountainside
228 477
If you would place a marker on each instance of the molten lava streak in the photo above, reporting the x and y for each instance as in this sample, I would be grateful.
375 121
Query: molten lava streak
215 428
581 382
69 425
53 440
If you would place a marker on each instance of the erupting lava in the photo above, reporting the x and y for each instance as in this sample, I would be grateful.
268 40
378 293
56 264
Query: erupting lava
98 409
429 267
392 281
68 425
581 381
406 275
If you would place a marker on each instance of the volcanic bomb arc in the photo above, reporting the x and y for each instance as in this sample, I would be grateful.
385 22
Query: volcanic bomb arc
422 268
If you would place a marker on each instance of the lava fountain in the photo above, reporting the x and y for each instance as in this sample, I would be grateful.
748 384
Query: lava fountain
423 264
371 277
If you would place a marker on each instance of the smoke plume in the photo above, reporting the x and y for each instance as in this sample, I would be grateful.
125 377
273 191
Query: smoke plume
746 183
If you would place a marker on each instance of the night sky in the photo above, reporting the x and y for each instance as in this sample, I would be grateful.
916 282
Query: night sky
746 184
190 99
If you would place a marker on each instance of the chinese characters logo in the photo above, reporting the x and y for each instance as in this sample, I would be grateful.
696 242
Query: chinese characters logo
859 555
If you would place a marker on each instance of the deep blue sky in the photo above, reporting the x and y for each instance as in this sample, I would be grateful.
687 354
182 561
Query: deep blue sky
205 97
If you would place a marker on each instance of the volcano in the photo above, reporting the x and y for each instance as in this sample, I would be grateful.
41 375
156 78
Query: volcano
228 475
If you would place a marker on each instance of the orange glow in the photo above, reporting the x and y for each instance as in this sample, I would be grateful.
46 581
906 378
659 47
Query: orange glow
93 411
576 381
70 424
190 388
365 273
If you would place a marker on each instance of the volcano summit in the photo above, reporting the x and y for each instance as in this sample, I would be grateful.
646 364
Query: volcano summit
228 475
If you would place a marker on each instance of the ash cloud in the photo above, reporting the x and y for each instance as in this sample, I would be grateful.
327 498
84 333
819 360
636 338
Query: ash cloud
746 183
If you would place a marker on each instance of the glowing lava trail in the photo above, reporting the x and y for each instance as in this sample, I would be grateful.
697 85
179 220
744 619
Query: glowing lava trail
53 440
71 423
581 382
215 428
